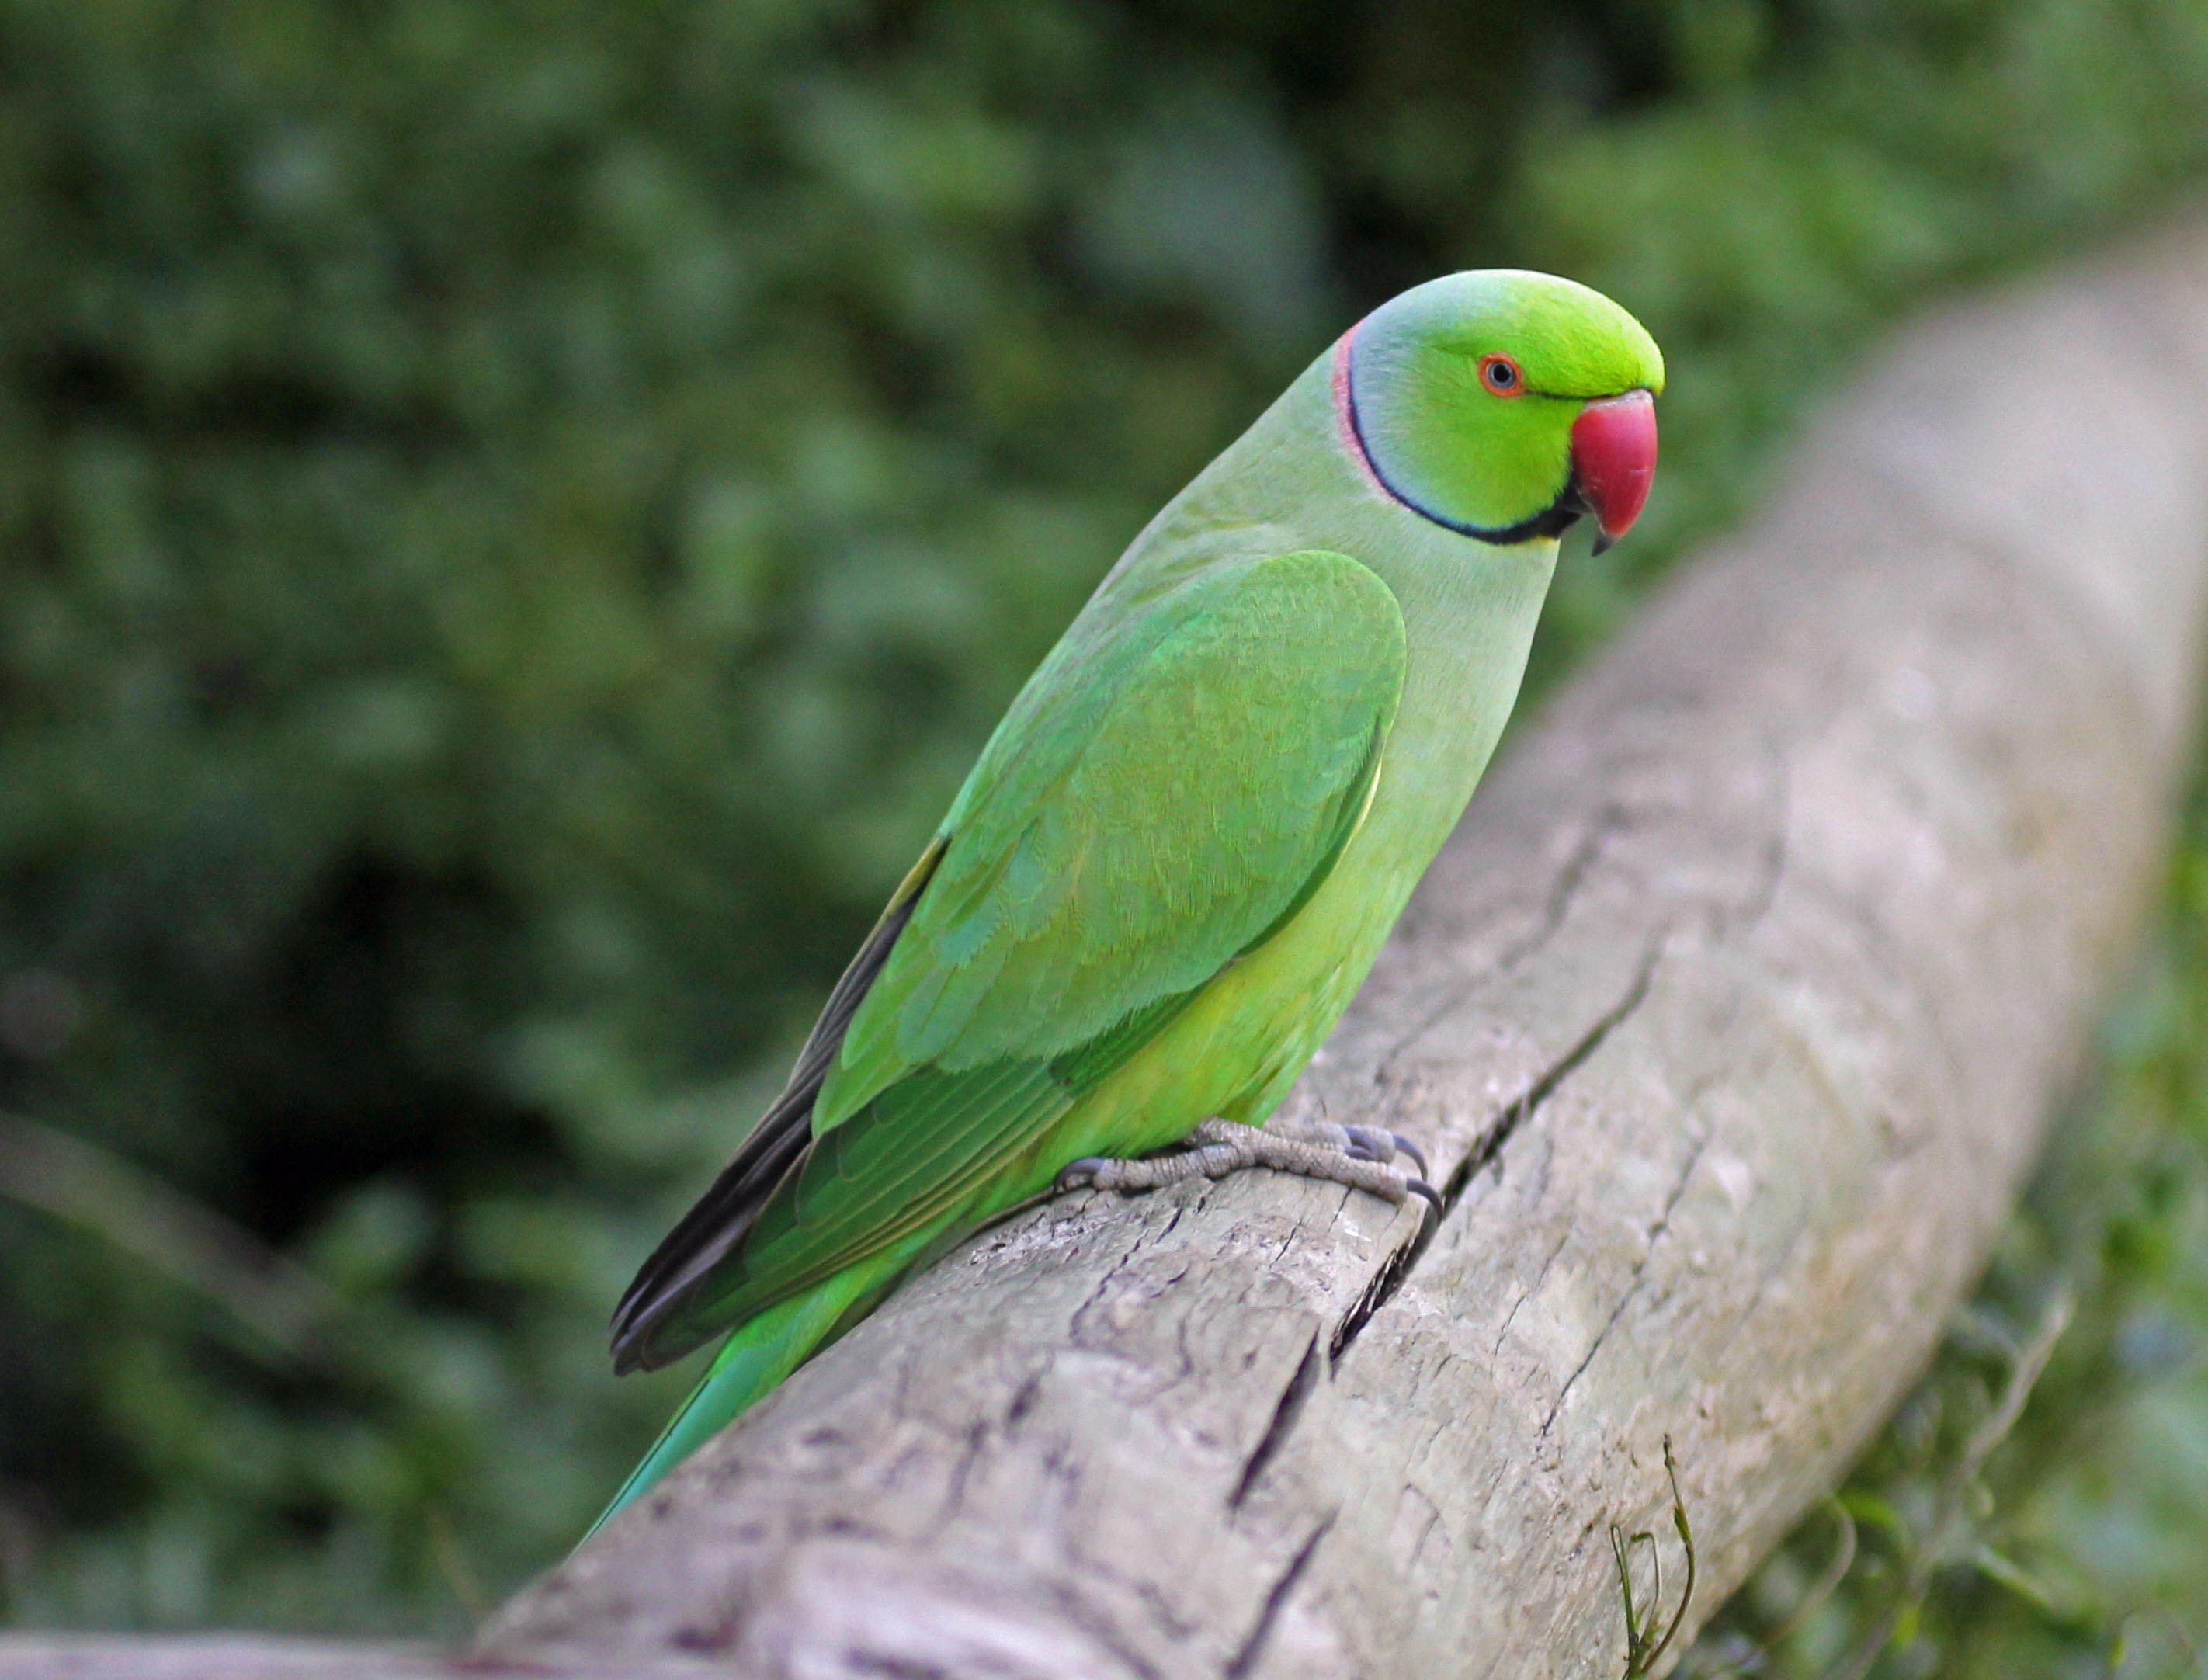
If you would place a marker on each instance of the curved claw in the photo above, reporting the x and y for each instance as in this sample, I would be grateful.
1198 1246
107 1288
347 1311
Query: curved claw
1420 1187
1081 1174
1372 1142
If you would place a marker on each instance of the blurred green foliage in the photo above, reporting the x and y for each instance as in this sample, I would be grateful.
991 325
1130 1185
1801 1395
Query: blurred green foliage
516 515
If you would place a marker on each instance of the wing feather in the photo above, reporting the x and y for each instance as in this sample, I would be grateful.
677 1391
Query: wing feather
1123 839
721 1217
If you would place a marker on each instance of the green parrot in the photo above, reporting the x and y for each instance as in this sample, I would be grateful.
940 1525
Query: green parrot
1181 851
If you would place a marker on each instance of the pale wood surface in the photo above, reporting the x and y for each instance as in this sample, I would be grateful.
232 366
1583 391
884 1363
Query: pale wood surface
262 1657
1733 1014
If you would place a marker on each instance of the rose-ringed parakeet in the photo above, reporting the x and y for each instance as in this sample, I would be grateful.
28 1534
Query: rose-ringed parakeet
1181 849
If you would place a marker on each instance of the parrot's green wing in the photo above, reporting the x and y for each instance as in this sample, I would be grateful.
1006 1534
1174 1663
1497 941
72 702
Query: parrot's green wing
1165 794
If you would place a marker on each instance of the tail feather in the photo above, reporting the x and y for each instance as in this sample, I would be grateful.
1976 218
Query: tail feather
757 1357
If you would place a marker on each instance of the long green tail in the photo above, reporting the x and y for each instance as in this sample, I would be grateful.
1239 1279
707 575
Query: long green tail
756 1357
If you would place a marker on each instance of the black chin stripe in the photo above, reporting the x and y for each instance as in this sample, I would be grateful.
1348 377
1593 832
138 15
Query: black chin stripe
1554 521
1570 505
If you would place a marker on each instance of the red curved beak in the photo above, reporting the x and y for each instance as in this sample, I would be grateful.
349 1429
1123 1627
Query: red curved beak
1614 461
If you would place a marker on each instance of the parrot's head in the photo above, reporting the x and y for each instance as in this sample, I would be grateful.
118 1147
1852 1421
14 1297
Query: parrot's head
1504 405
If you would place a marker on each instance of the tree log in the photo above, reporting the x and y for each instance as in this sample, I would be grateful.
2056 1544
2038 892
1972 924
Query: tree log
1731 1018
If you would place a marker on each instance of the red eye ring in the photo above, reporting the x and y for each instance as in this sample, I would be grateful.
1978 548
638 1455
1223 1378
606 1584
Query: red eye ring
1501 376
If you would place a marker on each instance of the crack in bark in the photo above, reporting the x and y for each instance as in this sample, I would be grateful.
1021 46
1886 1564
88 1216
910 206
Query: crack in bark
1520 1108
977 1439
894 1667
1099 1624
1375 1294
1285 1414
1142 1239
1610 819
1527 1293
1244 1659
1766 893
1632 1284
1391 1276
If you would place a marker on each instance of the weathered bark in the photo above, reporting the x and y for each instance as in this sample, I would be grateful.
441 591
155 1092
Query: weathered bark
1732 1016
262 1657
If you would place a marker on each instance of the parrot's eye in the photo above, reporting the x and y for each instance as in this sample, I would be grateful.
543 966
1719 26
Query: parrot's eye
1500 374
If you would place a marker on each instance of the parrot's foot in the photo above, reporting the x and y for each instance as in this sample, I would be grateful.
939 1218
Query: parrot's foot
1360 1156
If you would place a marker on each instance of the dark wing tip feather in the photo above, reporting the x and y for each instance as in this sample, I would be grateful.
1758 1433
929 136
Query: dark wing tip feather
646 1334
649 1327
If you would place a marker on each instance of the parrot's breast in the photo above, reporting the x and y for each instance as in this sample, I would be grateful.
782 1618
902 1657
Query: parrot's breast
1469 610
